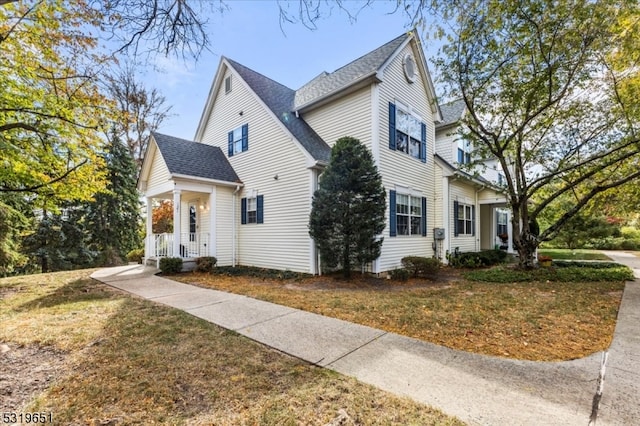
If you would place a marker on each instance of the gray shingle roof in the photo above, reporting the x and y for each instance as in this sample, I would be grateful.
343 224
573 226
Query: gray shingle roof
327 83
451 112
194 159
279 99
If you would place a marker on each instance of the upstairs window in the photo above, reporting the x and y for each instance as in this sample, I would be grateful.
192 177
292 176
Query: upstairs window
227 85
238 140
407 133
464 152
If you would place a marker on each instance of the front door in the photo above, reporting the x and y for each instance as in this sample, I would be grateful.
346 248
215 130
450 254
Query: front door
193 229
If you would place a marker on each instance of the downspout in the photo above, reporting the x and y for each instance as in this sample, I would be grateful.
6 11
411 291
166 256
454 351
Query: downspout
478 233
234 233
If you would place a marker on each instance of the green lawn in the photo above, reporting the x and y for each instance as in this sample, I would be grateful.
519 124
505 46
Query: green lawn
578 254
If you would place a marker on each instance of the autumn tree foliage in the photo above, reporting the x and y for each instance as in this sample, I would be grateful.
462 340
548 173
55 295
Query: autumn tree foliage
51 107
162 217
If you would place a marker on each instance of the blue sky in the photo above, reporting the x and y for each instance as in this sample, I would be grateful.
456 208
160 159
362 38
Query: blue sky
250 34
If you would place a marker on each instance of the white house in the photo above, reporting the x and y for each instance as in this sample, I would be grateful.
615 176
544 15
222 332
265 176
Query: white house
242 189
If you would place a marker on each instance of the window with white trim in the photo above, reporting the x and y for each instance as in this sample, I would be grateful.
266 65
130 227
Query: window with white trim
408 132
408 215
238 140
502 216
252 210
464 152
465 219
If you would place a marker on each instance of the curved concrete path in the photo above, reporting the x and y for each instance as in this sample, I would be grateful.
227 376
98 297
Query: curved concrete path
475 388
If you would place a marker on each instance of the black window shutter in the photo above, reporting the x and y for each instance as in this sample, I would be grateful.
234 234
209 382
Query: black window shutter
230 147
392 126
473 220
243 211
423 144
245 137
424 216
392 213
455 219
260 209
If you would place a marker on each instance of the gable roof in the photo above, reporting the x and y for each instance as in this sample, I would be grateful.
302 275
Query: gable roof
189 158
279 99
365 66
452 113
465 175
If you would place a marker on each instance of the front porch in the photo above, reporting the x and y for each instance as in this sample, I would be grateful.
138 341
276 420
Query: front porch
190 245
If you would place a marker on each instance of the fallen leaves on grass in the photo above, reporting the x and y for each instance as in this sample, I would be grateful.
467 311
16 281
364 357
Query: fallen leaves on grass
131 361
529 321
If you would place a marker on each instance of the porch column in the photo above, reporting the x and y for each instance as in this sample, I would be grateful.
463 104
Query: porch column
212 223
176 223
148 245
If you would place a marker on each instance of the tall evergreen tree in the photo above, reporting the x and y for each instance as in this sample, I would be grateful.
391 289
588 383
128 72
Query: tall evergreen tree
348 208
59 241
113 219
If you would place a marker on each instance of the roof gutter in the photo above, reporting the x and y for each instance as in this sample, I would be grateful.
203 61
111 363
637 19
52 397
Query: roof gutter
206 180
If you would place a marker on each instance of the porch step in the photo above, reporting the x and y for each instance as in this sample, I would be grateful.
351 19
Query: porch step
188 264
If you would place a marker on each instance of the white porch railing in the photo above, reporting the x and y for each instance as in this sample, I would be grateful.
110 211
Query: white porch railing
191 245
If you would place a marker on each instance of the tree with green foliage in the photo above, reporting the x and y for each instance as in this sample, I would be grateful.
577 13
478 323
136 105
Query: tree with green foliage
12 222
347 215
59 241
547 89
51 108
113 218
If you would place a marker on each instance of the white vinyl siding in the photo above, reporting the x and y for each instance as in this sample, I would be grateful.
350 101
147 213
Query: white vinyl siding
159 174
465 195
446 144
398 168
224 226
282 241
438 199
348 116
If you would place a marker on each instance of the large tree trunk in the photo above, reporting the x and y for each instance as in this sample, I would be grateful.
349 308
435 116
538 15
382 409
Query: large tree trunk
525 241
526 244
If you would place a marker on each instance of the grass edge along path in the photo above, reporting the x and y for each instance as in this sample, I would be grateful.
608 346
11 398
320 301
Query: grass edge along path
129 360
538 320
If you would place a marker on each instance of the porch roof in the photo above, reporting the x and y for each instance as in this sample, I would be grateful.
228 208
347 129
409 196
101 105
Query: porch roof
184 157
478 180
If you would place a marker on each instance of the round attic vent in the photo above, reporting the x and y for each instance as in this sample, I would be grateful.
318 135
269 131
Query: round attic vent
409 66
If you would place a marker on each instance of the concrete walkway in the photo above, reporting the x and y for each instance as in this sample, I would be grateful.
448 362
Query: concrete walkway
475 388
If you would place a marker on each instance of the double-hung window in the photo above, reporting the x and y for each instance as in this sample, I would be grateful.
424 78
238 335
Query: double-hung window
252 210
464 152
406 132
408 214
464 221
238 140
